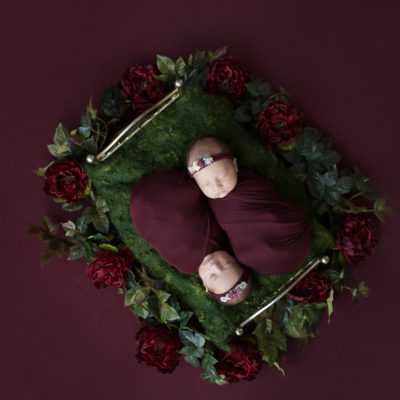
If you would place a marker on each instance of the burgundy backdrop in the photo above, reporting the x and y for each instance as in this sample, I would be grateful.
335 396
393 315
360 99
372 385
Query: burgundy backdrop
64 339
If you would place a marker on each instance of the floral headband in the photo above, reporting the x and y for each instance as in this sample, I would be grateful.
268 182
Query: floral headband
236 289
206 161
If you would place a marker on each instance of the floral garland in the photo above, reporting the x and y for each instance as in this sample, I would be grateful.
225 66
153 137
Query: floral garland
170 333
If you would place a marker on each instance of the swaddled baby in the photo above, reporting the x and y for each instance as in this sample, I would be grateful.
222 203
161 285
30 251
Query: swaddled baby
267 232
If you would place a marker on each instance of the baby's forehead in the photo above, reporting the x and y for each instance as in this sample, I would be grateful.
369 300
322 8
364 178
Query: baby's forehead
203 148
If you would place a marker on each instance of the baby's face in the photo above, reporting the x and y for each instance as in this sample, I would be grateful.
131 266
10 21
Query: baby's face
217 179
219 271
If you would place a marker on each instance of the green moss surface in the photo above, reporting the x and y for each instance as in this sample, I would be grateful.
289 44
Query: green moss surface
161 145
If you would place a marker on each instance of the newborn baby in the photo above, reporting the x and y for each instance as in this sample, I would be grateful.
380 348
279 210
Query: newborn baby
267 232
169 212
219 178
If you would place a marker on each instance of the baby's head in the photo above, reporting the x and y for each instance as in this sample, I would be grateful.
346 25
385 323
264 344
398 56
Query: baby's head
222 276
212 166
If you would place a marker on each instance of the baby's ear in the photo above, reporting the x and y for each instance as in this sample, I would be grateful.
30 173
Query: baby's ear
235 164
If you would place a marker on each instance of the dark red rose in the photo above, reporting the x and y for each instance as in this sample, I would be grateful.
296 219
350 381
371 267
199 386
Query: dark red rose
139 85
66 180
278 123
108 268
227 77
356 238
157 347
243 363
312 289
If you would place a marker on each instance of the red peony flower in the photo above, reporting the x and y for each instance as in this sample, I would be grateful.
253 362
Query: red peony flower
356 238
139 85
157 347
312 289
108 268
278 123
227 77
66 180
243 363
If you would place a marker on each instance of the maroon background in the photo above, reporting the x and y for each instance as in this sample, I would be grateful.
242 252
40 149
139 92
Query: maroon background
64 339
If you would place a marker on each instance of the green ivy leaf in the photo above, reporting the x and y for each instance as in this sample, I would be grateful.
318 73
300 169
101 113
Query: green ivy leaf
167 313
86 125
112 102
303 321
185 317
131 280
162 296
269 340
74 206
180 67
165 64
192 338
210 373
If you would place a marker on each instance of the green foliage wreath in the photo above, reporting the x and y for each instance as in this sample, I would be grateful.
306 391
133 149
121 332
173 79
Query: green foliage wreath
267 134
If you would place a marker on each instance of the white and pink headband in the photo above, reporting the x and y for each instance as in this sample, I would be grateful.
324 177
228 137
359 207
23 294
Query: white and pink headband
207 160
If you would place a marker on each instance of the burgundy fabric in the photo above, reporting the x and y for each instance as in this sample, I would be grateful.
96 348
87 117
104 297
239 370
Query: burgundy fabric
169 212
268 232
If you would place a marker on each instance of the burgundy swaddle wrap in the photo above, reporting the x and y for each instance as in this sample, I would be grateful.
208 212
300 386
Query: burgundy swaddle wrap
169 212
267 232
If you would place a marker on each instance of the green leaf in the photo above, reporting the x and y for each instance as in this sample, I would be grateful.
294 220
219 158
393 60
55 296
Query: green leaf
363 289
280 369
86 125
180 67
131 280
192 338
76 251
69 228
192 350
315 183
220 52
192 360
167 313
162 296
165 64
109 248
51 227
184 318
303 321
60 135
142 310
210 373
269 340
329 302
42 171
101 205
74 206
356 297
112 103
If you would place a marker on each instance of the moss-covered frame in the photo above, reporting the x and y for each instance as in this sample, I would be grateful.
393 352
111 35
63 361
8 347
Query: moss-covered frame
161 145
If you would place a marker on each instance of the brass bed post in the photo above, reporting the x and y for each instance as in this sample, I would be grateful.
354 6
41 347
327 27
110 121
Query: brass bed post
137 124
283 290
